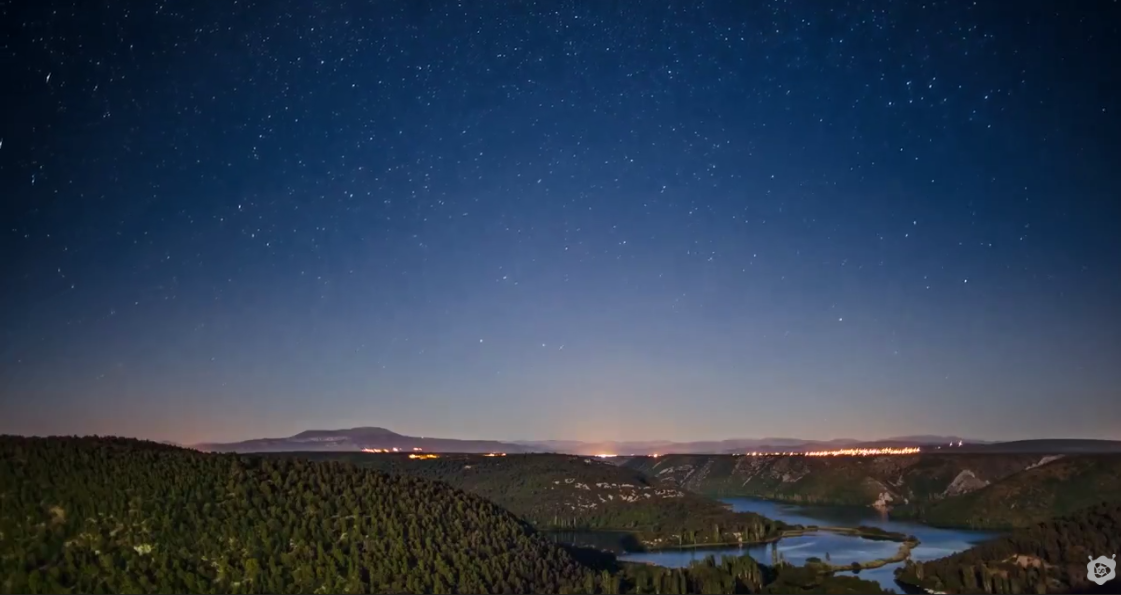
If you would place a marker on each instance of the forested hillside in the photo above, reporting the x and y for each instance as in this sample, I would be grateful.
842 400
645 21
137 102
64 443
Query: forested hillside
566 491
992 491
1049 557
843 480
1060 487
114 515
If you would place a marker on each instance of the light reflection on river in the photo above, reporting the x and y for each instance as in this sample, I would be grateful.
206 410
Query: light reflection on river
841 549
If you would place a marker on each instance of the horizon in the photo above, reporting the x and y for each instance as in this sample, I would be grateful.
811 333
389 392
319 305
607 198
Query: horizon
590 441
583 221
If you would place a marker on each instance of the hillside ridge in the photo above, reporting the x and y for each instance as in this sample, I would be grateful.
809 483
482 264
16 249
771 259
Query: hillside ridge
975 490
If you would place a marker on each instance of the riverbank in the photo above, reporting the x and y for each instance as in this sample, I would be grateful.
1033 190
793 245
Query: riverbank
903 553
865 532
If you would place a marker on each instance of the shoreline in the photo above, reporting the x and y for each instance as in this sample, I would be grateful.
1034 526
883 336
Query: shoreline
849 531
898 513
901 555
906 545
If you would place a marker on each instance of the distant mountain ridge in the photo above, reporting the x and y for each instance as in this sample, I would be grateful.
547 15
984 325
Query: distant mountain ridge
356 439
370 437
1052 446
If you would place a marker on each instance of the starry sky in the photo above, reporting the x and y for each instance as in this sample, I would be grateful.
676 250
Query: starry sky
576 219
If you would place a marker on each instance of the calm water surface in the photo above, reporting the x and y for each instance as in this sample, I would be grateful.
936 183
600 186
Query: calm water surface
841 549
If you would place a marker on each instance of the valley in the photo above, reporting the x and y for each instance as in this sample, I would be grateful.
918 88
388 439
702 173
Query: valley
122 515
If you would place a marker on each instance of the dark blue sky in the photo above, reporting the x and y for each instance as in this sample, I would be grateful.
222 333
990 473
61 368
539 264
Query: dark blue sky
499 219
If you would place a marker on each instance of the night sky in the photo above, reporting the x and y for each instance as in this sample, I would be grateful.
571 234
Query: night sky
583 220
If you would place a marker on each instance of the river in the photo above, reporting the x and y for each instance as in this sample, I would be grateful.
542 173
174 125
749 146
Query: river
841 549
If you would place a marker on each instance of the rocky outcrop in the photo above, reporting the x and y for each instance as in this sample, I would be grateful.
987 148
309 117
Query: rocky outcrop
883 502
965 482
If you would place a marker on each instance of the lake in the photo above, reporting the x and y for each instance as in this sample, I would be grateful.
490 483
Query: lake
841 549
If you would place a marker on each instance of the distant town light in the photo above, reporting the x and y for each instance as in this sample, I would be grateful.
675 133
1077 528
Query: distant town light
842 452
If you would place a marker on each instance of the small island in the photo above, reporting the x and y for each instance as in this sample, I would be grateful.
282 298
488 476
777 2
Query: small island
859 531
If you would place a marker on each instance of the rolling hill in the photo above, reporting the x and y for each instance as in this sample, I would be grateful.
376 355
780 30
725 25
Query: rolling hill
572 492
884 481
1062 486
116 515
978 490
356 439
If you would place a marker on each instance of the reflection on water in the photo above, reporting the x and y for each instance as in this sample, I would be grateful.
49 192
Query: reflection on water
840 549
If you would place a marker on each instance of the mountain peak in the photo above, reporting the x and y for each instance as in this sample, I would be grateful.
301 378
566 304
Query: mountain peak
359 432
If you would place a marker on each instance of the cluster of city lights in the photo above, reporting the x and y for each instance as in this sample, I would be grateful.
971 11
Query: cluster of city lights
385 450
423 456
495 454
842 452
605 455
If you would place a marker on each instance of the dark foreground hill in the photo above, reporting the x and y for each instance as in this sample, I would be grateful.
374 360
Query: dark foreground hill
574 492
1049 557
112 515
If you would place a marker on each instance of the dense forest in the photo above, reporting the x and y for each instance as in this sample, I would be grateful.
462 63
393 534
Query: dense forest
575 492
110 515
1049 557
